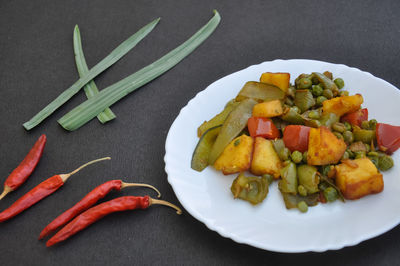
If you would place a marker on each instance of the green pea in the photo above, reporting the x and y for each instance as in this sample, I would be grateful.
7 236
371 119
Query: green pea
347 125
314 114
302 206
372 124
327 93
302 190
338 135
365 124
343 93
304 83
320 100
296 156
351 154
339 83
373 154
359 154
305 154
348 136
317 90
297 109
385 163
339 127
284 154
330 194
345 155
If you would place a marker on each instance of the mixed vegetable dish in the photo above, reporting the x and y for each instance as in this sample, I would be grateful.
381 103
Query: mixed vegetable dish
312 137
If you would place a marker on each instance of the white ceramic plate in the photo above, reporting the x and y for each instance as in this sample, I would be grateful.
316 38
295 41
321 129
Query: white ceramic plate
270 225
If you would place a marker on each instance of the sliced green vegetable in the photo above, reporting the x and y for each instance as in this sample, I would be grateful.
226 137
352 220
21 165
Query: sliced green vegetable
90 88
83 113
288 183
293 117
260 92
113 57
291 201
308 178
218 119
233 125
252 189
203 148
328 119
326 82
304 100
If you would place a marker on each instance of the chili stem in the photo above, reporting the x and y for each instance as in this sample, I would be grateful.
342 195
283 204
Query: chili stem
6 190
165 203
124 185
64 177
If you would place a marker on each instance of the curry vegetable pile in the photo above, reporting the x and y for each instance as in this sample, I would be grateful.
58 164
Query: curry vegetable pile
312 137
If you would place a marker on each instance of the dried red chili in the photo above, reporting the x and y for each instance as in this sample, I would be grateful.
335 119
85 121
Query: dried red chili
25 168
39 192
88 201
96 213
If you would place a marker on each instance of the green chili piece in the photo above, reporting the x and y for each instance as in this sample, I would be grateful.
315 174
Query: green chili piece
288 183
252 189
291 201
329 119
308 178
304 100
293 117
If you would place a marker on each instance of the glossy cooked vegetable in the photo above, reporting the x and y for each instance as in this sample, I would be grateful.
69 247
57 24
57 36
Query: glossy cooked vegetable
265 159
364 135
236 157
203 148
260 92
90 88
292 201
357 178
288 183
262 127
293 117
86 111
252 189
295 137
268 109
308 178
281 80
326 82
113 57
304 100
355 118
217 120
233 125
388 137
324 147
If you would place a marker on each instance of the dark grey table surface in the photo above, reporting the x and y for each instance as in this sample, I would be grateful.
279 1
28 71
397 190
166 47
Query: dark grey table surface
37 64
